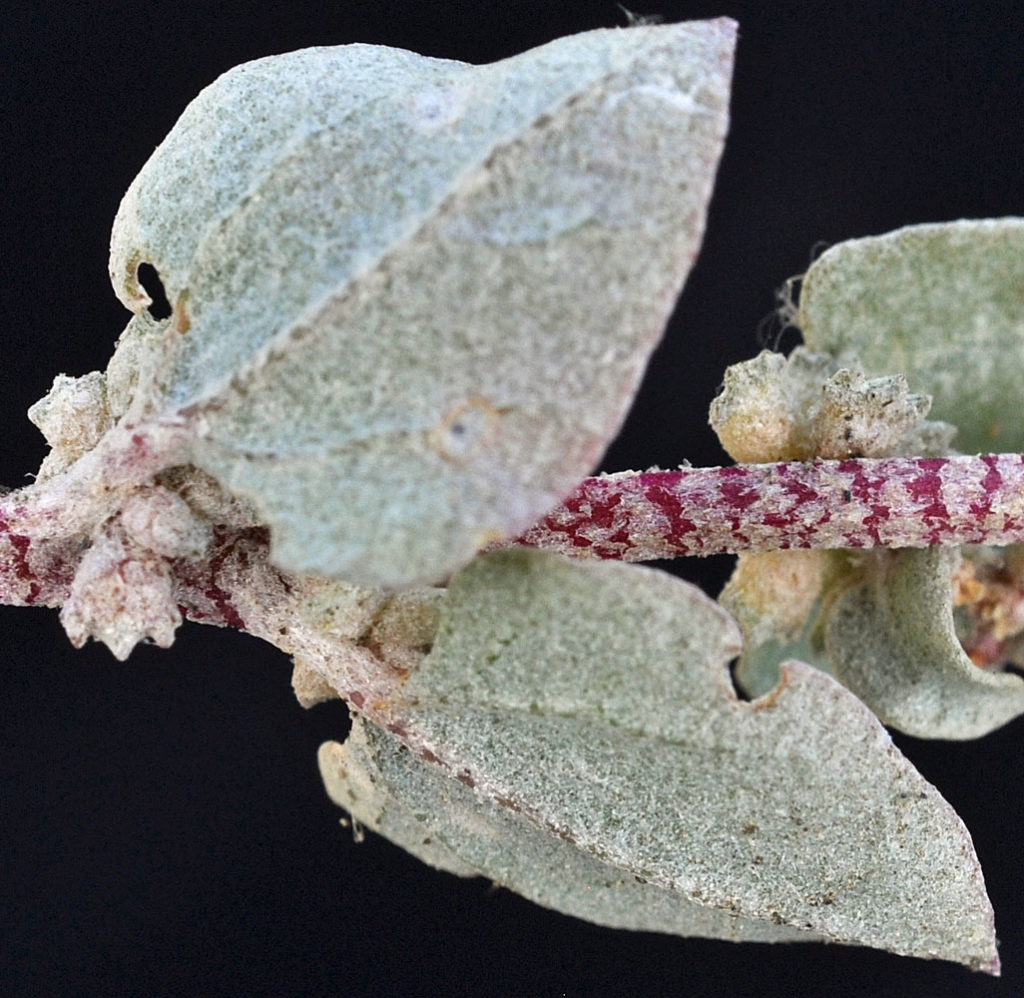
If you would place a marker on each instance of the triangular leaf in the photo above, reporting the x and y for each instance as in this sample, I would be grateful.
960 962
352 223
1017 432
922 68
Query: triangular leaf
413 298
593 700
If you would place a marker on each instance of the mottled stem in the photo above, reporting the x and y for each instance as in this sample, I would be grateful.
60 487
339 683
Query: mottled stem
857 503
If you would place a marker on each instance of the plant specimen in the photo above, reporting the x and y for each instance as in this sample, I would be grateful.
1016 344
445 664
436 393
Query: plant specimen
405 305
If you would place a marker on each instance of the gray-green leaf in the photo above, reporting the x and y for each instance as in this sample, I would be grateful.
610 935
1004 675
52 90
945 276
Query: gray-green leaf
942 304
592 703
413 298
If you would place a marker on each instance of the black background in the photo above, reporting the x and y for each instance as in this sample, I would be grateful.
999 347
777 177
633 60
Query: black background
162 825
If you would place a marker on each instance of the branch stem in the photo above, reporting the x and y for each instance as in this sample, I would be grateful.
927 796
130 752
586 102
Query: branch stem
856 503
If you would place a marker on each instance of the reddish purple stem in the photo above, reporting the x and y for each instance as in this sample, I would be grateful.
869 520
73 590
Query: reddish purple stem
857 503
